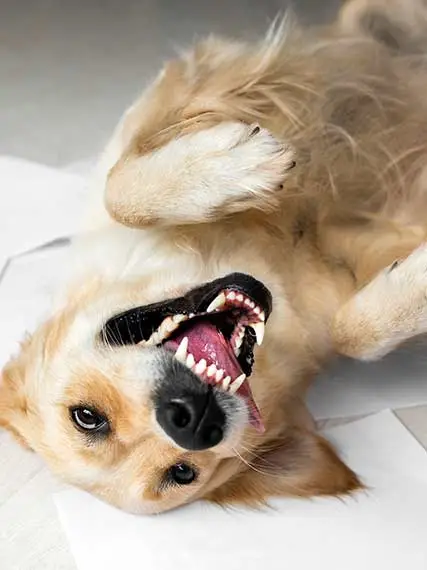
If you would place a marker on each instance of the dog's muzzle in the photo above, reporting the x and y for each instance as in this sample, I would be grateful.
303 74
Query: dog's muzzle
209 334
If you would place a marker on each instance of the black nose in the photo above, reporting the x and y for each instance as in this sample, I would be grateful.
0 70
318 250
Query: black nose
193 419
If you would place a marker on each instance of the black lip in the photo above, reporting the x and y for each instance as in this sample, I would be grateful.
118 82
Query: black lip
137 324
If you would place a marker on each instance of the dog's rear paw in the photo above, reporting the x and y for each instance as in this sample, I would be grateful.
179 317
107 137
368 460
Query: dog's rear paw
391 309
400 25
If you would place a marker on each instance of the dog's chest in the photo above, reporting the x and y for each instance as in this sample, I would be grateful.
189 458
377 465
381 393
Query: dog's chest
116 252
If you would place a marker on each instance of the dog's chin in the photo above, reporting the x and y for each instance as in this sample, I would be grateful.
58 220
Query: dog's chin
212 330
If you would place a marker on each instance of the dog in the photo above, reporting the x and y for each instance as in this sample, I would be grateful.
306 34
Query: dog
259 210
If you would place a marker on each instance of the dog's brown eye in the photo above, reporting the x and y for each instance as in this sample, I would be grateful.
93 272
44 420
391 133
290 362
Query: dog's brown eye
181 474
89 420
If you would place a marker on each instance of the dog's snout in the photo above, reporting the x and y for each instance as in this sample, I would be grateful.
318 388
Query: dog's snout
188 412
195 421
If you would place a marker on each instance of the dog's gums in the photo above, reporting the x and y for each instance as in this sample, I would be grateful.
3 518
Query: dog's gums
213 333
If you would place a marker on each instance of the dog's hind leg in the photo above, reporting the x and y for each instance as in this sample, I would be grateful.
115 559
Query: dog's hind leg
400 25
388 311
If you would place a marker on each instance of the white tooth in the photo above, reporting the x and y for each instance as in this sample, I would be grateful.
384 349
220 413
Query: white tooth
190 361
226 382
201 366
231 296
168 325
191 315
259 329
239 298
247 302
181 353
219 375
211 371
179 318
261 316
216 303
257 310
156 337
252 304
237 383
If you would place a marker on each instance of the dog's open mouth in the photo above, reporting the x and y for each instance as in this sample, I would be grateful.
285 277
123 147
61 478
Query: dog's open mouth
212 330
218 345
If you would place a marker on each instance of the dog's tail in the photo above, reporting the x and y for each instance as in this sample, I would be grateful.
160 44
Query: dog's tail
400 25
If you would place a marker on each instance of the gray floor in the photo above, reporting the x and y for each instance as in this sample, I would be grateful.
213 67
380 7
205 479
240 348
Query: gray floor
68 68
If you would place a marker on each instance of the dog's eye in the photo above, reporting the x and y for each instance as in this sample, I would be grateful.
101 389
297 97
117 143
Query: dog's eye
181 474
89 420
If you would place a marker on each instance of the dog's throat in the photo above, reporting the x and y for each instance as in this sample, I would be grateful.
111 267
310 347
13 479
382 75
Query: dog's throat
212 357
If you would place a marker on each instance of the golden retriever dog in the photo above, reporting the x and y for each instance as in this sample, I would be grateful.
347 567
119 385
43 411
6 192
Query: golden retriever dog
259 210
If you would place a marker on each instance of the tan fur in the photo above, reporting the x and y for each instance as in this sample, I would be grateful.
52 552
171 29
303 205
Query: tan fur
201 170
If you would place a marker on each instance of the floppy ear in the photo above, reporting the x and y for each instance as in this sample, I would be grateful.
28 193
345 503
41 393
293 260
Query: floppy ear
303 464
13 400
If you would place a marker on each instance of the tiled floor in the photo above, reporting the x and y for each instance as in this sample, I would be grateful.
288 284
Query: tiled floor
67 71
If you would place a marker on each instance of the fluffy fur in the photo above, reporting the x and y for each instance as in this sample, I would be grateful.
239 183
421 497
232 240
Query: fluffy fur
193 190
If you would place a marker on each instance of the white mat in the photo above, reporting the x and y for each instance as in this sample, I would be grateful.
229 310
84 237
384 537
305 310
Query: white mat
381 528
39 205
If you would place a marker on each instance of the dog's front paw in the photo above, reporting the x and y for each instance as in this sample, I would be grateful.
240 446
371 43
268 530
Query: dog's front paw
261 161
200 176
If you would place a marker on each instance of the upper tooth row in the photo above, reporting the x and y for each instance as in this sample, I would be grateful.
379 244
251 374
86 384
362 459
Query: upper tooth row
221 299
211 371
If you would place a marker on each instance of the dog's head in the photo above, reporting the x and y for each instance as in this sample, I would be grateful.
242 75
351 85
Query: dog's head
152 407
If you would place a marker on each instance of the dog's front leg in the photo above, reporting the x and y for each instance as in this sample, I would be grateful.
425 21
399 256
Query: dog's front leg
199 177
388 311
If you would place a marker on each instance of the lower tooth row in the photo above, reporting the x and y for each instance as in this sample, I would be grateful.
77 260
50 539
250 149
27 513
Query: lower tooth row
226 382
237 383
211 371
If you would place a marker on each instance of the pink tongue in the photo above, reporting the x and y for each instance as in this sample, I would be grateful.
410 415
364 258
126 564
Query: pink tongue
206 341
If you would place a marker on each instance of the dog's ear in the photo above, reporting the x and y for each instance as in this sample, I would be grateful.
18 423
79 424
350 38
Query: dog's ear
302 464
13 400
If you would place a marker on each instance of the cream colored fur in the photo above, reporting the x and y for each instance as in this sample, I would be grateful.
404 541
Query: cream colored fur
199 181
